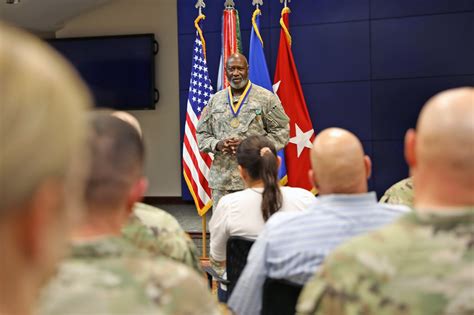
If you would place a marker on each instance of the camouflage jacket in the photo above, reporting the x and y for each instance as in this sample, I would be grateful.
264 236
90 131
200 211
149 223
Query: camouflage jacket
260 114
422 264
400 193
159 232
110 275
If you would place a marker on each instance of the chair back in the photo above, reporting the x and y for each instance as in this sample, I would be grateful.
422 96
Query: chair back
238 248
279 297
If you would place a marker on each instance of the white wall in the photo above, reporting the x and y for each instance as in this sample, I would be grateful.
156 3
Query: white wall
160 126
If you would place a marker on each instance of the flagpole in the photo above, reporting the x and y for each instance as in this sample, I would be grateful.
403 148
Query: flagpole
200 5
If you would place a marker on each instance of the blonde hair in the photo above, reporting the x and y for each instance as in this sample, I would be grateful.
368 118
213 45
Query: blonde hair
42 116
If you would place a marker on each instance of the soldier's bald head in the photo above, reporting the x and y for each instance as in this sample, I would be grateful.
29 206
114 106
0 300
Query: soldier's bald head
237 56
339 163
444 142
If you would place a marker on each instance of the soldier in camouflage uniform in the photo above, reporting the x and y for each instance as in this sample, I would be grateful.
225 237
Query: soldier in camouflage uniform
221 127
106 273
110 275
158 231
400 193
424 263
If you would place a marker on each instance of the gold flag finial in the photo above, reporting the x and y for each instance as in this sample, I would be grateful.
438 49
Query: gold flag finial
257 2
200 5
229 4
285 1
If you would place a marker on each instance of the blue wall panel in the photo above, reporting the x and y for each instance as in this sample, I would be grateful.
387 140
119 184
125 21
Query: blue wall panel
365 65
321 11
388 164
423 46
396 103
391 8
332 52
343 105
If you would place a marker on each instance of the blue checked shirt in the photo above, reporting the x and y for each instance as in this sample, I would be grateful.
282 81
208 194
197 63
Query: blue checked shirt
293 245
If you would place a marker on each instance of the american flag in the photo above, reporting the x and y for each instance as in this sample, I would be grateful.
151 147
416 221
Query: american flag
196 164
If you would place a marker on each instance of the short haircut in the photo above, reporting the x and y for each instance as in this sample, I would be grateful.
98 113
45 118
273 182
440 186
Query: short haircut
42 117
116 162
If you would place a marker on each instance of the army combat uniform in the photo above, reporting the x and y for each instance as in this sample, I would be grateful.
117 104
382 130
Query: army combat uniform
260 114
422 264
159 232
110 275
400 193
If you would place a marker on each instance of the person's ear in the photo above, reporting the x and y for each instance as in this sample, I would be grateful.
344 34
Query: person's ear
368 166
313 179
278 161
241 171
410 147
136 193
39 217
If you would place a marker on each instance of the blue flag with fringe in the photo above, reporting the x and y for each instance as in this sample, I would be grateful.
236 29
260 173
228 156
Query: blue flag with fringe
258 74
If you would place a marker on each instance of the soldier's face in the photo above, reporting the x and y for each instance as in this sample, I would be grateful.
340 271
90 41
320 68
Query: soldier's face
237 72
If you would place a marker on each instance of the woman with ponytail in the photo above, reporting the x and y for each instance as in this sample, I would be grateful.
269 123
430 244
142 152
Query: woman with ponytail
244 213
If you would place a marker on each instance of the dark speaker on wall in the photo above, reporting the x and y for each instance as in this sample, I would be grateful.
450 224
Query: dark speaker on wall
119 70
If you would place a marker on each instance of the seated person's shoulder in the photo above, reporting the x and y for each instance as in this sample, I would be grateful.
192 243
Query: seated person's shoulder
396 209
134 285
155 217
300 193
232 199
282 218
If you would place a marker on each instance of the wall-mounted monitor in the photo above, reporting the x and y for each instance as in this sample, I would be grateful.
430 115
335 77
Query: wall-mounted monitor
119 70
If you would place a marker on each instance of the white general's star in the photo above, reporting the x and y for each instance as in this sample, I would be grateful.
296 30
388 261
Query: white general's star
302 139
276 86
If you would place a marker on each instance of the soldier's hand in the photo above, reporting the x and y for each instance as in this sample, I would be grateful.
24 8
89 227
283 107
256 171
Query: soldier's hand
233 144
223 146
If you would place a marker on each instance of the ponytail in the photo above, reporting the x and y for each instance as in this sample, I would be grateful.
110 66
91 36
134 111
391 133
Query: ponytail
271 197
257 155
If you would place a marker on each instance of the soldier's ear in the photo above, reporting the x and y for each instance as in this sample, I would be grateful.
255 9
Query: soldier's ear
136 192
368 166
410 147
313 179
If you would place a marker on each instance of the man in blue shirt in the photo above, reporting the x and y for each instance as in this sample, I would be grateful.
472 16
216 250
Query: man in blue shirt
293 245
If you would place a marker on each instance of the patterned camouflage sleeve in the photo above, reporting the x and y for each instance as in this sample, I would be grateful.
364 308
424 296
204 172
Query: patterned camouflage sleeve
277 123
158 232
204 131
127 286
400 193
188 291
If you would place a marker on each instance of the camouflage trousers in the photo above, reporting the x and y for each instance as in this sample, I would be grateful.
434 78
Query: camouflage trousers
217 194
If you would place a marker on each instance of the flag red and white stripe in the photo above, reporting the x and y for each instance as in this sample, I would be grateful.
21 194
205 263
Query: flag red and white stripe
196 165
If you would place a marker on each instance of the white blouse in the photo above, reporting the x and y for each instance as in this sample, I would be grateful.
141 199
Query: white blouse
239 214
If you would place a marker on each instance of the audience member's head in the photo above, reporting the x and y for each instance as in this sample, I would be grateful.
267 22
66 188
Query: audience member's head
441 150
129 119
42 158
339 165
116 180
258 164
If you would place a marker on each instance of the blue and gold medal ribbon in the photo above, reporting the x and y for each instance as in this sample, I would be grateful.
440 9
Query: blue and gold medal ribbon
236 109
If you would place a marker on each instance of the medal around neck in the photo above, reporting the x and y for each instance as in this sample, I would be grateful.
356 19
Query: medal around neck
235 109
234 122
